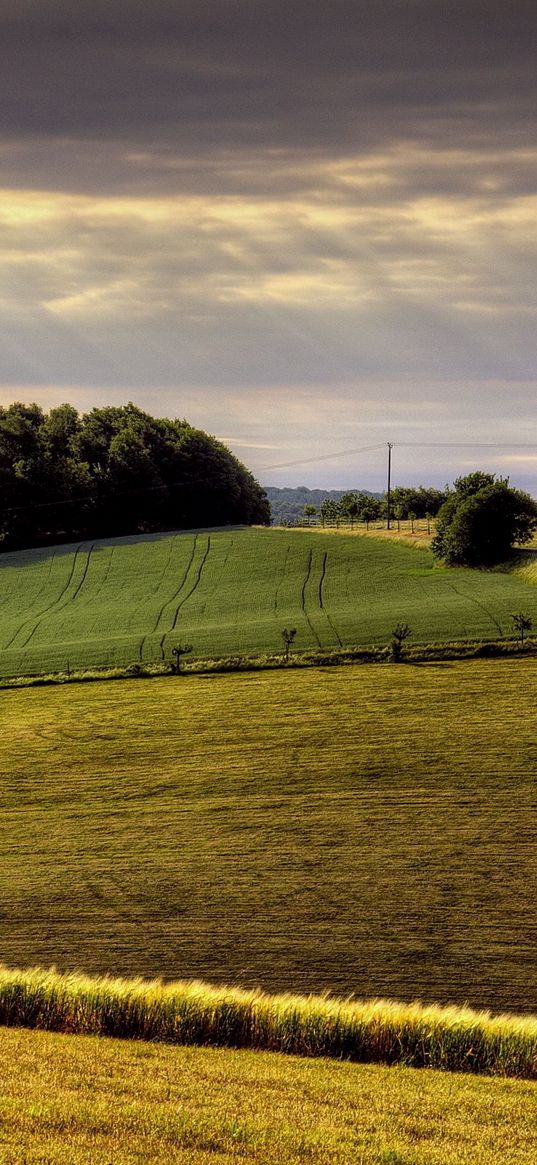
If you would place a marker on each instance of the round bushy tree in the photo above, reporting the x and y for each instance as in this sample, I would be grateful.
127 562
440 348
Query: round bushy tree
482 521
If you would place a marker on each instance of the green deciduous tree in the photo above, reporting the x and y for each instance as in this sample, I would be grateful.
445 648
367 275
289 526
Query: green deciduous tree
329 511
309 512
349 507
116 470
482 520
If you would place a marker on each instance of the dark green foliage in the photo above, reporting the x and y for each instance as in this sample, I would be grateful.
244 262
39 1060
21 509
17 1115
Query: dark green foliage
115 471
309 512
472 483
329 511
482 520
288 505
422 502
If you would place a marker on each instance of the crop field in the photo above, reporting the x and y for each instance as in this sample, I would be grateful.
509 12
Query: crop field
367 829
232 591
78 1099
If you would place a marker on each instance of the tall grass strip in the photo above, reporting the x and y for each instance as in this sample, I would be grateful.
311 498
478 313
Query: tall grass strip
190 1013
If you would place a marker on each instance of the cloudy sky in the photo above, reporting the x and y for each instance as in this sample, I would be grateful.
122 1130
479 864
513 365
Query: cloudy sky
310 228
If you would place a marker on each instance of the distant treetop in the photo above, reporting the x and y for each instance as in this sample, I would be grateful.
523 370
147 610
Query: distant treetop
112 471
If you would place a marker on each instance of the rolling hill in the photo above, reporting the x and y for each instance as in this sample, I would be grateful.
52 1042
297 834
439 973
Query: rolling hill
232 591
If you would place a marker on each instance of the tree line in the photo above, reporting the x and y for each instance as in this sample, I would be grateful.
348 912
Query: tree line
112 471
406 503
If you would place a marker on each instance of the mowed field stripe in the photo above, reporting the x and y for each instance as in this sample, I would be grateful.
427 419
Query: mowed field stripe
368 829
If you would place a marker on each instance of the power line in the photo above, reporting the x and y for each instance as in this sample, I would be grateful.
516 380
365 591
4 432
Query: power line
467 444
322 457
401 445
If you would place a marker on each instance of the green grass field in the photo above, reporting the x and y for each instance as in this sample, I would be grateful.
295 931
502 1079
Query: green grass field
81 1099
364 829
232 591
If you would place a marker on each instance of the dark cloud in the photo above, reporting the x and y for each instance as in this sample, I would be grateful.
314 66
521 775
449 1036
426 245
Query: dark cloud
239 75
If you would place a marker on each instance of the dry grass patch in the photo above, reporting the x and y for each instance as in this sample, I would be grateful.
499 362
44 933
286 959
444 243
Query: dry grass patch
81 1099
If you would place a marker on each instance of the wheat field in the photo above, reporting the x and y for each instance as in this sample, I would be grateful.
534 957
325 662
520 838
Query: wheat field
229 592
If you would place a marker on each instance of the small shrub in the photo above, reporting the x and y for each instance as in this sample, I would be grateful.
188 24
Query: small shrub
521 624
178 651
400 632
288 635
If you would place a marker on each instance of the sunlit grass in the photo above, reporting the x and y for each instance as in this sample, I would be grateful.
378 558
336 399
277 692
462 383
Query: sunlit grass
378 1031
75 1100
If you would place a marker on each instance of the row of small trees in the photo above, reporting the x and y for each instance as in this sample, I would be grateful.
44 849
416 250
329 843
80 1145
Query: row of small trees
522 625
406 503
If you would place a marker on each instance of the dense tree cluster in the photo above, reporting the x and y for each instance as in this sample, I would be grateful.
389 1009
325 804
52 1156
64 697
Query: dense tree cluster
290 505
114 471
482 520
405 502
421 501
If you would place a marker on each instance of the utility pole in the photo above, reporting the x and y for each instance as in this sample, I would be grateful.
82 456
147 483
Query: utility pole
389 490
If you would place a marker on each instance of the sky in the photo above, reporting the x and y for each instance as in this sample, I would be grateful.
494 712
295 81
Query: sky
309 228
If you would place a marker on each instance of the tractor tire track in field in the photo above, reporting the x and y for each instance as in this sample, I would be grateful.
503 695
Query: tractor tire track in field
303 599
156 588
179 588
198 578
89 601
54 607
194 587
482 607
108 894
321 580
39 591
45 610
321 600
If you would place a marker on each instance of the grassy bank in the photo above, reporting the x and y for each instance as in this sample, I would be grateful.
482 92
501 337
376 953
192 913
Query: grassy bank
78 1099
360 829
378 1031
231 592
